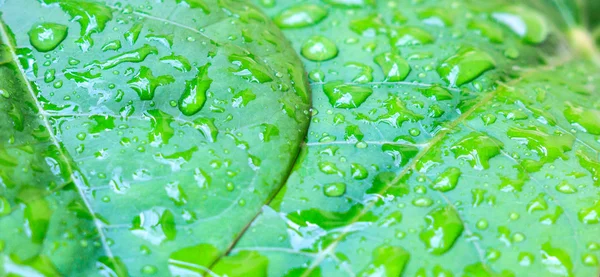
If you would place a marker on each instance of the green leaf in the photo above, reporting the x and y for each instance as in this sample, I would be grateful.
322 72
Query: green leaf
477 157
447 138
141 138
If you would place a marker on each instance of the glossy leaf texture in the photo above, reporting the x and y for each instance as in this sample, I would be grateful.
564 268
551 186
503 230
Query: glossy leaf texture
140 138
448 138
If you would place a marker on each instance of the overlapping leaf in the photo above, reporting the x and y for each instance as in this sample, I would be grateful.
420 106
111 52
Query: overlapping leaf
137 136
448 138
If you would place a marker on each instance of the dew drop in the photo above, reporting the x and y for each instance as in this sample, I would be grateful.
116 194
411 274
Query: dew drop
319 48
334 189
465 66
300 16
46 37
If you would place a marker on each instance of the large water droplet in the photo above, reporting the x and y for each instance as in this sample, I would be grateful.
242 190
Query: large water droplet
488 29
395 68
528 24
334 189
477 149
402 36
194 96
387 261
465 66
556 260
369 26
590 215
134 56
319 48
443 227
588 119
300 16
47 36
145 84
346 96
436 16
155 225
447 180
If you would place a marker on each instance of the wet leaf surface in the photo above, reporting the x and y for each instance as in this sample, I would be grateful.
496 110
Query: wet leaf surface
465 142
447 138
146 137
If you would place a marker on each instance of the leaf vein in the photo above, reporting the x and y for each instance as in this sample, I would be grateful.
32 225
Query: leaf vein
79 181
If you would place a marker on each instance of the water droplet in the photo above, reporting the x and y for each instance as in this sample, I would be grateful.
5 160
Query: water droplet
395 68
46 37
589 260
537 204
465 66
590 215
145 84
334 189
386 261
528 24
113 45
488 119
482 224
180 63
369 26
422 202
134 56
319 48
176 193
358 172
351 3
443 227
329 220
447 180
556 260
149 270
49 75
436 16
330 168
401 154
591 164
488 29
194 96
437 93
346 96
250 69
526 258
230 186
414 132
588 119
566 188
133 34
300 16
160 123
155 225
403 36
477 149
4 206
